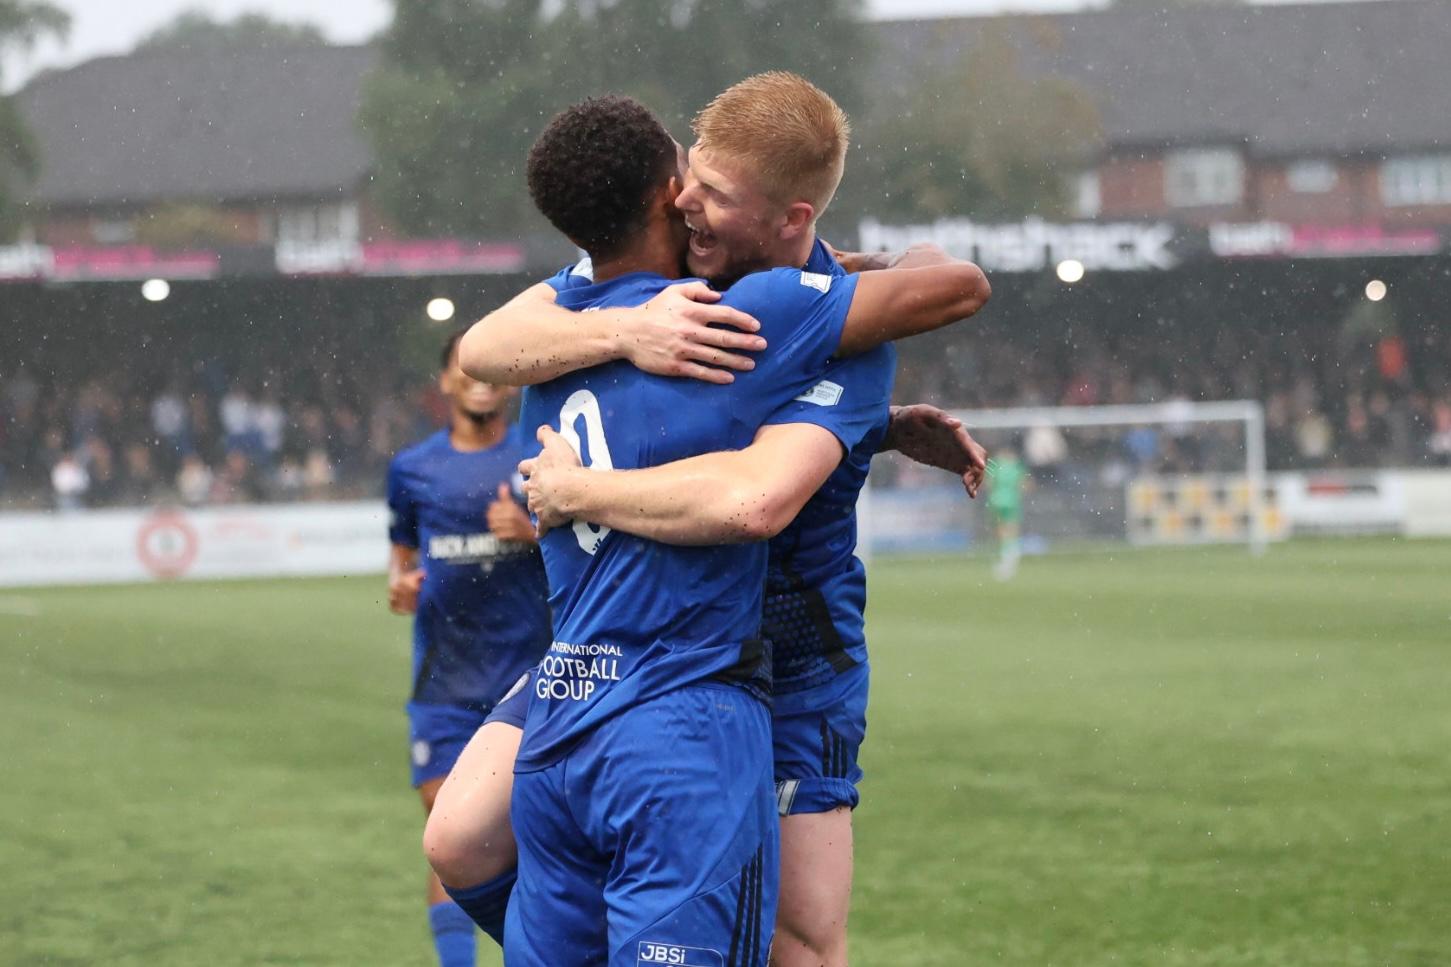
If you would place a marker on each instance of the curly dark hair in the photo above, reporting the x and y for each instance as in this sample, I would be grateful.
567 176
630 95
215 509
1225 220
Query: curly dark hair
593 167
450 349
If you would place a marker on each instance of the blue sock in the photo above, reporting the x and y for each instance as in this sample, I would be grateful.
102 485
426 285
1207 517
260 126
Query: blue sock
487 903
453 935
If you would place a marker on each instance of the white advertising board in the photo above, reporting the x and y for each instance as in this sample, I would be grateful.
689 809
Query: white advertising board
116 546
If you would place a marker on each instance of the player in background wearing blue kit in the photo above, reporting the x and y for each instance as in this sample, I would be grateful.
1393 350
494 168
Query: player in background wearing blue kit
816 589
918 300
465 562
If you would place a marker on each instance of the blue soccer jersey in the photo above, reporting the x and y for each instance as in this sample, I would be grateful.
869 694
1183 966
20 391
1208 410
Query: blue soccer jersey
483 612
636 618
816 589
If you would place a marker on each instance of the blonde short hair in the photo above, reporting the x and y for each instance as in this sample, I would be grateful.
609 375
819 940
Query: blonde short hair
789 131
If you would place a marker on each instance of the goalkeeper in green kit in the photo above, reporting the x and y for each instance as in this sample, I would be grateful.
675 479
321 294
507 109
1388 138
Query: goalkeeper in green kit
1007 479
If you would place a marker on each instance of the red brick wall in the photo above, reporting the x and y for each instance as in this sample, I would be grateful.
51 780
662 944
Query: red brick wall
1131 185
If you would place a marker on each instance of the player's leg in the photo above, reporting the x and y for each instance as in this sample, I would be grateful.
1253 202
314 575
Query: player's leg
816 869
816 742
1009 546
469 841
686 796
438 736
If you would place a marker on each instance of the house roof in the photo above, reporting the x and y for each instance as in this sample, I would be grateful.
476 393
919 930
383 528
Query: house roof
1337 78
229 124
280 121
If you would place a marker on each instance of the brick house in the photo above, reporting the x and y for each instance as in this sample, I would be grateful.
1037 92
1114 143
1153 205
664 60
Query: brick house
1314 114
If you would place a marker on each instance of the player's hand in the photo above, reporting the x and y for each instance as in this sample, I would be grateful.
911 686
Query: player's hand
403 591
938 439
546 479
506 519
672 335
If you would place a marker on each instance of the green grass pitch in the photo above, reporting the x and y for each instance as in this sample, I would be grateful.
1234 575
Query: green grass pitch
1157 758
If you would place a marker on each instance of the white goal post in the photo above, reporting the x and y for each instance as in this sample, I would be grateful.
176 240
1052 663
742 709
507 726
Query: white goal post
1178 413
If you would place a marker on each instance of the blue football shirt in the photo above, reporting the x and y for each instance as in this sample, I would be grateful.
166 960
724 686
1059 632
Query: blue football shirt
635 618
816 587
814 611
483 611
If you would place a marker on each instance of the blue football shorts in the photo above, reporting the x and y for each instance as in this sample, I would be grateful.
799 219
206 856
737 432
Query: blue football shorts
437 735
816 737
515 704
653 841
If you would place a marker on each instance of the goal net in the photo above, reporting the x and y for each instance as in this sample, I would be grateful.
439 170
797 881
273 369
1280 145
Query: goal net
1170 473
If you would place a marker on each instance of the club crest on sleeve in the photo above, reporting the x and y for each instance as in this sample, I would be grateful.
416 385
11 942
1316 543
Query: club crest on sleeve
815 280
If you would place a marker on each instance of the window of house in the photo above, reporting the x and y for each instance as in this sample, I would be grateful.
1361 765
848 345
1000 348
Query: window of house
1203 176
312 224
1310 176
1087 198
113 231
1419 180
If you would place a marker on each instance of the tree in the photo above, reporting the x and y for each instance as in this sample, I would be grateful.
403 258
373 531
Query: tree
198 29
23 23
466 85
978 136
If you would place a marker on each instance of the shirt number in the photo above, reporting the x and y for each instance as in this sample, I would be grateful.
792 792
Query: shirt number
582 404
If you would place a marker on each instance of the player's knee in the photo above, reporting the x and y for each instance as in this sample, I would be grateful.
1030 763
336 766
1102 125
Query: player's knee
463 855
809 941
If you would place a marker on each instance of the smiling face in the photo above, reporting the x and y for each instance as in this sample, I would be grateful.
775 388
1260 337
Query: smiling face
471 399
735 226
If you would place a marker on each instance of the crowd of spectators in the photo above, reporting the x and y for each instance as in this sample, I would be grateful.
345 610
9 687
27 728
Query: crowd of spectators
109 441
1358 393
1351 393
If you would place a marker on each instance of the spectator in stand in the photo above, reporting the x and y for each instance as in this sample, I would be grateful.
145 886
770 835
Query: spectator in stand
194 481
70 482
170 423
1438 447
236 415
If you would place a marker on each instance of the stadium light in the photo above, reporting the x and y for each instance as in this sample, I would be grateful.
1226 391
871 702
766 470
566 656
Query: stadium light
1375 290
1070 270
440 310
155 290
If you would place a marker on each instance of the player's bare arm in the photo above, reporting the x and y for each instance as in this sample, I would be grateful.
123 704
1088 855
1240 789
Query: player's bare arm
931 436
728 497
530 340
405 579
924 290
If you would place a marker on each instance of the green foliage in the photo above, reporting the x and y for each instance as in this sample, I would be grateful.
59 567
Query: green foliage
197 28
466 86
978 136
22 24
1156 757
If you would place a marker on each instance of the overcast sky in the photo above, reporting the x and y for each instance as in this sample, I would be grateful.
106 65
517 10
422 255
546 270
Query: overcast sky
112 26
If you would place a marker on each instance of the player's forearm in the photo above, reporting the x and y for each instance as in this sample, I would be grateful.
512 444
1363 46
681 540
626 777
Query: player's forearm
525 344
926 290
698 501
401 560
867 261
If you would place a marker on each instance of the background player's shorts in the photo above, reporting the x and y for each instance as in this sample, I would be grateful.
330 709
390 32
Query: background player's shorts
437 735
1006 513
654 841
816 744
515 704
